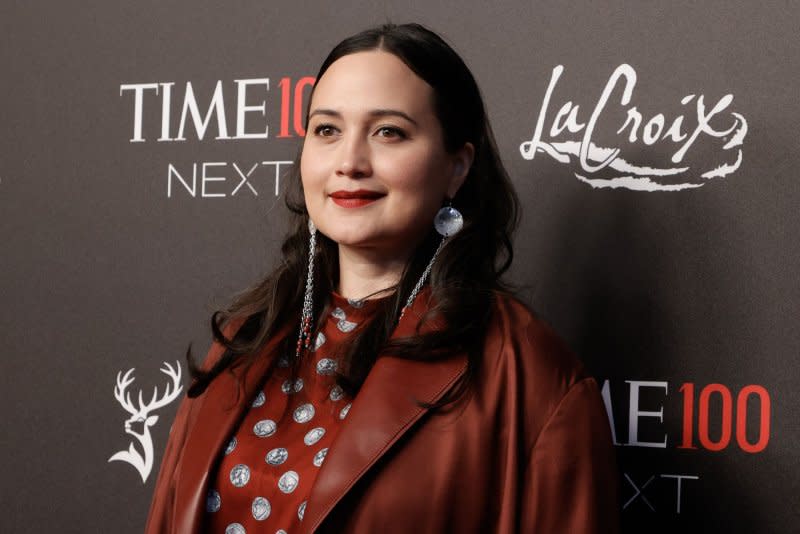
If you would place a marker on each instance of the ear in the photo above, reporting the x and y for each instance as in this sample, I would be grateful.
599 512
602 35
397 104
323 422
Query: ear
461 163
153 419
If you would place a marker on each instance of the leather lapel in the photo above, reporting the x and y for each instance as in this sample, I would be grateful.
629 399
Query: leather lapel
218 411
384 409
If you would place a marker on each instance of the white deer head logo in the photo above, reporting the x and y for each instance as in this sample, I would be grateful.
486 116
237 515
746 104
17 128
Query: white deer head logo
140 421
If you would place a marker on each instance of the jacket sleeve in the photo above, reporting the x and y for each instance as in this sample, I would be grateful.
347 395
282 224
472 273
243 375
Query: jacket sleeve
571 482
161 507
160 518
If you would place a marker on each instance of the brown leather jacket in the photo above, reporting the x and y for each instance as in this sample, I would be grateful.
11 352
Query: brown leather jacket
529 451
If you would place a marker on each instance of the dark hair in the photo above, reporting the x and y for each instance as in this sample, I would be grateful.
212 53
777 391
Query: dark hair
464 278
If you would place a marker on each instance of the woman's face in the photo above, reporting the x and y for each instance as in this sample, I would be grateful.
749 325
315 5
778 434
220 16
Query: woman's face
374 167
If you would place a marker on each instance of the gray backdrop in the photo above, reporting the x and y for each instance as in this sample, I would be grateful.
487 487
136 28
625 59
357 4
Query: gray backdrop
672 271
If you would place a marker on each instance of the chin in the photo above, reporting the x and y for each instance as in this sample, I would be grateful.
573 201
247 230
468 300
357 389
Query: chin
347 236
356 241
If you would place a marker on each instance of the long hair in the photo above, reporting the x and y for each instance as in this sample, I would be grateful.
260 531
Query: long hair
465 277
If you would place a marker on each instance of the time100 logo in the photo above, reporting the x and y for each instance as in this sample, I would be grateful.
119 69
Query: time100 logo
249 98
714 417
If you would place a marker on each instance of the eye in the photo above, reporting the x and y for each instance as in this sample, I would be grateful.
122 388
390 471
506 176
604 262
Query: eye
391 132
325 130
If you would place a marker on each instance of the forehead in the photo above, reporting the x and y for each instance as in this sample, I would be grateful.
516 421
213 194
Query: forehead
372 80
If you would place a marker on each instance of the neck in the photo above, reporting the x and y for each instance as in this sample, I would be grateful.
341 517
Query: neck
366 273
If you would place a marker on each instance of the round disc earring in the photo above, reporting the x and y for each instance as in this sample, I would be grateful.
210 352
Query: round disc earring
448 221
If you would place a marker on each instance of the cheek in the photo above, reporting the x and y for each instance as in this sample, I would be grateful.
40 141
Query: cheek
422 180
305 168
310 174
413 169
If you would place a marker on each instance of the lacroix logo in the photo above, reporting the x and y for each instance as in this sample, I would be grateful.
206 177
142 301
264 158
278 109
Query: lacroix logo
620 158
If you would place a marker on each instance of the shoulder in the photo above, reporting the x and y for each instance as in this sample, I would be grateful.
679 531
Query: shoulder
528 362
530 344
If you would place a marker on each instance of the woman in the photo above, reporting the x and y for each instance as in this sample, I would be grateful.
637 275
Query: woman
381 378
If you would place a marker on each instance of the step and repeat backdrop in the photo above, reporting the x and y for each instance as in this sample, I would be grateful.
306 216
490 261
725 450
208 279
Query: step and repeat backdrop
144 150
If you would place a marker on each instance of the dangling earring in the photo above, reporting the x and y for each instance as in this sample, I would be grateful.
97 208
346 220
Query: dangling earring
304 336
447 222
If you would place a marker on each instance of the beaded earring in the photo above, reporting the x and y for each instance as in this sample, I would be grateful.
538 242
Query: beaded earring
304 336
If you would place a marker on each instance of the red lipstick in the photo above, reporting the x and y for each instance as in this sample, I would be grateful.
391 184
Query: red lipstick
355 199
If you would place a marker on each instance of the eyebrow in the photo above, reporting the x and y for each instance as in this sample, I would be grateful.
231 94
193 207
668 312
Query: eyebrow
372 113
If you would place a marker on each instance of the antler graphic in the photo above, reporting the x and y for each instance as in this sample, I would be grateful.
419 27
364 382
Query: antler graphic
124 398
141 415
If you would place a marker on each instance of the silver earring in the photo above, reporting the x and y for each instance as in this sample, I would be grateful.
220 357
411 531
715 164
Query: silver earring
447 222
304 336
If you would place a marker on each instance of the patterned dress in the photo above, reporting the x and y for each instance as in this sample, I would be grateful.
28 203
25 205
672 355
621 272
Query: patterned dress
270 464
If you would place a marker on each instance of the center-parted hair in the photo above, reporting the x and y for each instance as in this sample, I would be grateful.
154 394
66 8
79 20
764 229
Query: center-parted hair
464 278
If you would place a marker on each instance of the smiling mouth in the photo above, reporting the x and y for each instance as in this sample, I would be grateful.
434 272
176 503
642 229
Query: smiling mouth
355 199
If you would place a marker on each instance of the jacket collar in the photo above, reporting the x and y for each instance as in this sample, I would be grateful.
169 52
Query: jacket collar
385 408
219 410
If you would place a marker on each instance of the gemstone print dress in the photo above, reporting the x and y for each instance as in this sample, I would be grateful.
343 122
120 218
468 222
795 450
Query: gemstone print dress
268 468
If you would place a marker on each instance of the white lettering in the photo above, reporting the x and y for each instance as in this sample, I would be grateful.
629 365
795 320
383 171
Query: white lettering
206 178
166 100
630 82
605 392
242 109
529 148
215 108
244 178
138 92
679 479
634 413
172 171
593 157
703 125
570 123
633 117
277 172
653 129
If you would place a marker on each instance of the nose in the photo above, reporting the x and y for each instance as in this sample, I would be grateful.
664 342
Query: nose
354 158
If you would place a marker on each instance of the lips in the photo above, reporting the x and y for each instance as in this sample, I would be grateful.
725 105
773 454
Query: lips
355 199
